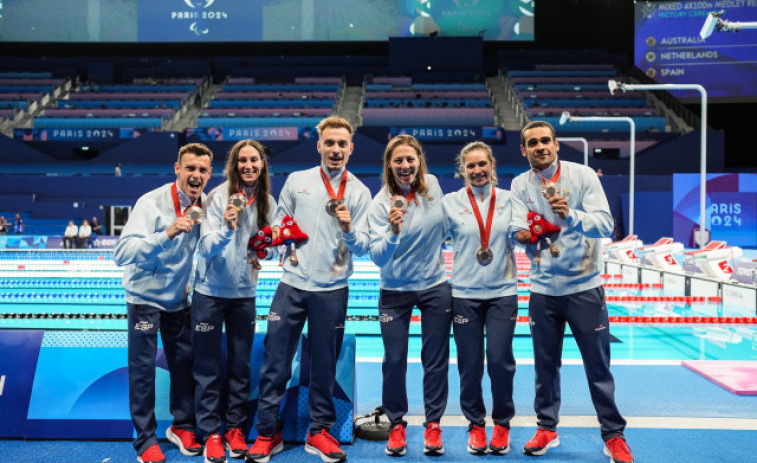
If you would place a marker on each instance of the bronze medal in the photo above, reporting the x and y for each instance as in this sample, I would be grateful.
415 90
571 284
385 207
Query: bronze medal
484 255
331 206
400 202
238 201
549 190
195 213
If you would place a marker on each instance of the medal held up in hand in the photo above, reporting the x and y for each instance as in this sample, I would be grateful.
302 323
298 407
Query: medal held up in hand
331 206
195 213
238 200
336 198
400 202
550 189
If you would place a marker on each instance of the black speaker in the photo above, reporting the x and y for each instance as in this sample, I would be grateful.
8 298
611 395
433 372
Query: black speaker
86 152
607 153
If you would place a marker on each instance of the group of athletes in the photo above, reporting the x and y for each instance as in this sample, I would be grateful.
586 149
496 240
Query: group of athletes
402 228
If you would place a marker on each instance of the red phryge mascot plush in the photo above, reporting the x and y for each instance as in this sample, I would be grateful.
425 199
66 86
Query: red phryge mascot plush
257 244
290 234
540 230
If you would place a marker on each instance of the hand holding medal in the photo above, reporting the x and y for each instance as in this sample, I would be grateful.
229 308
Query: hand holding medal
195 214
551 191
238 201
398 208
185 220
231 216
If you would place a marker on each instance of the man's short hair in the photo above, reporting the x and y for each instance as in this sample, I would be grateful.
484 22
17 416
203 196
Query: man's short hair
532 125
198 149
334 122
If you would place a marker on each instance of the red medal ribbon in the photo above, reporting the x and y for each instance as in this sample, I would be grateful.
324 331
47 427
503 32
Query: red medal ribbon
483 232
411 195
327 183
177 203
241 192
554 179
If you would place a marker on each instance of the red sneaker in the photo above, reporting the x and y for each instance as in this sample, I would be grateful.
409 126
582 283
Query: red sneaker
397 445
477 440
185 440
542 441
264 448
153 454
325 446
214 451
235 443
433 439
500 443
618 450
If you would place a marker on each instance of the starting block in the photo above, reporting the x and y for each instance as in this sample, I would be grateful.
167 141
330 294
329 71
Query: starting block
623 250
745 271
714 260
660 254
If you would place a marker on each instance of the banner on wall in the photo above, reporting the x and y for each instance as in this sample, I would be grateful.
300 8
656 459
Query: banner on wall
78 134
730 208
256 133
491 135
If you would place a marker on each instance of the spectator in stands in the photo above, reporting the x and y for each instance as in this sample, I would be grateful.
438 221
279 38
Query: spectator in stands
224 294
315 290
599 173
407 231
70 235
18 224
566 289
97 229
484 295
117 170
156 248
4 225
85 234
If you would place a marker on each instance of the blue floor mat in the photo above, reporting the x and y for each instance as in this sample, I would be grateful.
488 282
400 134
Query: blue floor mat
640 390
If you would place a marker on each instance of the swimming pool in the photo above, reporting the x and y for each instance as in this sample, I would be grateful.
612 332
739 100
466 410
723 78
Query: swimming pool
81 290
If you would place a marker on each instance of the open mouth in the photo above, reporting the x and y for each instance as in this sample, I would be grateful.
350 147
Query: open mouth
405 177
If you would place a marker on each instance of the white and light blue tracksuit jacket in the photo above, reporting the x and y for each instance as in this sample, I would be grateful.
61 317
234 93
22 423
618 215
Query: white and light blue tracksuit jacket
157 268
412 260
470 279
304 198
579 264
222 269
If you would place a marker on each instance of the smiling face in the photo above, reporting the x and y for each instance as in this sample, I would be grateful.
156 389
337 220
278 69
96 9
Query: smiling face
478 167
404 163
540 147
192 174
335 146
249 165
